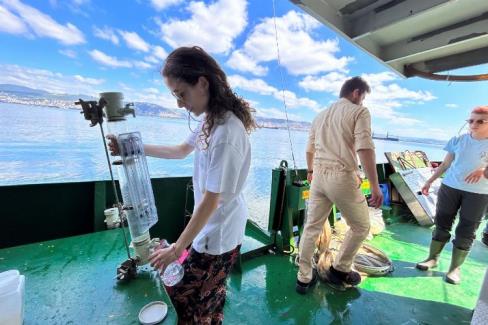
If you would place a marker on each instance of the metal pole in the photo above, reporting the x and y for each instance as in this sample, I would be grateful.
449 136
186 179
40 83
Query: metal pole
119 205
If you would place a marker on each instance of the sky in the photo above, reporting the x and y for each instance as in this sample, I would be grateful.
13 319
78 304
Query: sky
88 47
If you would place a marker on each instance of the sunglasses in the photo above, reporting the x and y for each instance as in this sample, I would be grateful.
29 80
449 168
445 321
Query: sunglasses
479 122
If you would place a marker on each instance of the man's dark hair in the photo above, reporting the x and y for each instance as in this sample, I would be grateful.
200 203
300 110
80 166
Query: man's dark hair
354 83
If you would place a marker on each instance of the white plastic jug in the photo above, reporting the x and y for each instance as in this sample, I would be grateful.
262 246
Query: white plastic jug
9 274
12 288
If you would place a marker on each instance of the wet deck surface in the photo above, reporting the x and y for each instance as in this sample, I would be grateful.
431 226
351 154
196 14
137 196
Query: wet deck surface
265 292
71 281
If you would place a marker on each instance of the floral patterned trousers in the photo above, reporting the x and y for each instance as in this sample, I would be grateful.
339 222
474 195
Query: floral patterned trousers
199 297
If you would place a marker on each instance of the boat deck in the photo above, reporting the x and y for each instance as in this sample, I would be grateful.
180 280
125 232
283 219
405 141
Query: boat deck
265 292
71 281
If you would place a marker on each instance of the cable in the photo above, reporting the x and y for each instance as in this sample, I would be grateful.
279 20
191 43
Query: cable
410 71
189 122
283 90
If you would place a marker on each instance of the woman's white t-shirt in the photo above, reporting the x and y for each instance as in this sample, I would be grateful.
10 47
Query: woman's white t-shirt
222 168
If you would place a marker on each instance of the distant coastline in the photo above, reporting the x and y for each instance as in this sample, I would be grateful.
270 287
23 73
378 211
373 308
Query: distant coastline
15 94
27 96
386 137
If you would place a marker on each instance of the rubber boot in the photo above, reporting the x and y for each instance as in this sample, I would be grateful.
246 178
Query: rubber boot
453 276
484 239
434 254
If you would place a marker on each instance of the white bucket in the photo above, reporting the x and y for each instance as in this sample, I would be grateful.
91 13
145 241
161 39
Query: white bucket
112 218
12 288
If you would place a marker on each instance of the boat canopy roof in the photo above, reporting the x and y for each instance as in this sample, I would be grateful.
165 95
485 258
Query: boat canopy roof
410 35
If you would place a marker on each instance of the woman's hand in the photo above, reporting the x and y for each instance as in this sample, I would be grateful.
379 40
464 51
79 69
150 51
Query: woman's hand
113 146
425 188
162 257
475 176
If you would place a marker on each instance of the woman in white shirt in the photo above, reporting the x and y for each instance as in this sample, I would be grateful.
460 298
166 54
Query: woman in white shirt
221 165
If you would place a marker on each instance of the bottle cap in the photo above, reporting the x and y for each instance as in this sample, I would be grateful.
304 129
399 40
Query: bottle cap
153 313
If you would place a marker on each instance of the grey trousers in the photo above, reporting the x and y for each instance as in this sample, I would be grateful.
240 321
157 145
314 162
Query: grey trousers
472 208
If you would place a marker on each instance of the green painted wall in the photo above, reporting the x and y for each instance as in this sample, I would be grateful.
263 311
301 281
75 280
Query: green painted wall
38 212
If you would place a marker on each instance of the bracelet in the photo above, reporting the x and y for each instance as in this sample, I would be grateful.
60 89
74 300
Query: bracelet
310 171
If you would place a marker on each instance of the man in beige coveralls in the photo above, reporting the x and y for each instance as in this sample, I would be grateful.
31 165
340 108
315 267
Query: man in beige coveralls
338 135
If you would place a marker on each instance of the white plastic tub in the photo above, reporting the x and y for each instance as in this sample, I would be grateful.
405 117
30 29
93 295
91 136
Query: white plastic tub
12 288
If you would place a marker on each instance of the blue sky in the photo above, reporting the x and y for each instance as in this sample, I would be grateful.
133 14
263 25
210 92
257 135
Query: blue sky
87 47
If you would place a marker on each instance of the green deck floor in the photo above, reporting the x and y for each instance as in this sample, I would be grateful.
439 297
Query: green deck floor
71 281
265 292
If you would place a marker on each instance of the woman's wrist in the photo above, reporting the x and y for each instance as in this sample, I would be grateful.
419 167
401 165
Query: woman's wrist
174 250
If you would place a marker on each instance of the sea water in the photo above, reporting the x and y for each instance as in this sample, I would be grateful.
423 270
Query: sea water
51 145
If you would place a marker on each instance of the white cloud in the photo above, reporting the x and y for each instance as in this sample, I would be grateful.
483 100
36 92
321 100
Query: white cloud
331 82
277 113
160 5
80 2
384 98
69 53
90 81
261 87
158 55
110 61
164 99
106 33
151 91
253 85
159 52
134 41
242 62
293 101
213 27
452 105
299 52
125 87
141 64
54 82
40 24
11 24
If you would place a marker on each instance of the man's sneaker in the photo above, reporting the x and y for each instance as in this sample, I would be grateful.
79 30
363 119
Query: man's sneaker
302 288
484 239
351 278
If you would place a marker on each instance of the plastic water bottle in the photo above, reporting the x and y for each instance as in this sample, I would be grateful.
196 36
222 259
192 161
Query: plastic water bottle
173 274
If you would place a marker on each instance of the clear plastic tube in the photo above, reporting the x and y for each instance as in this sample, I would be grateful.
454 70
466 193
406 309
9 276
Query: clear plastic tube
135 185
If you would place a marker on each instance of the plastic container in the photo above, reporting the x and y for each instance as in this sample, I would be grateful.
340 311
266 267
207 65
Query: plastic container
8 274
386 194
173 274
12 288
112 218
175 271
365 187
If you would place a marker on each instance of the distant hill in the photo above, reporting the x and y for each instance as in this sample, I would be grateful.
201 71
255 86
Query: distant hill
150 109
8 88
28 96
